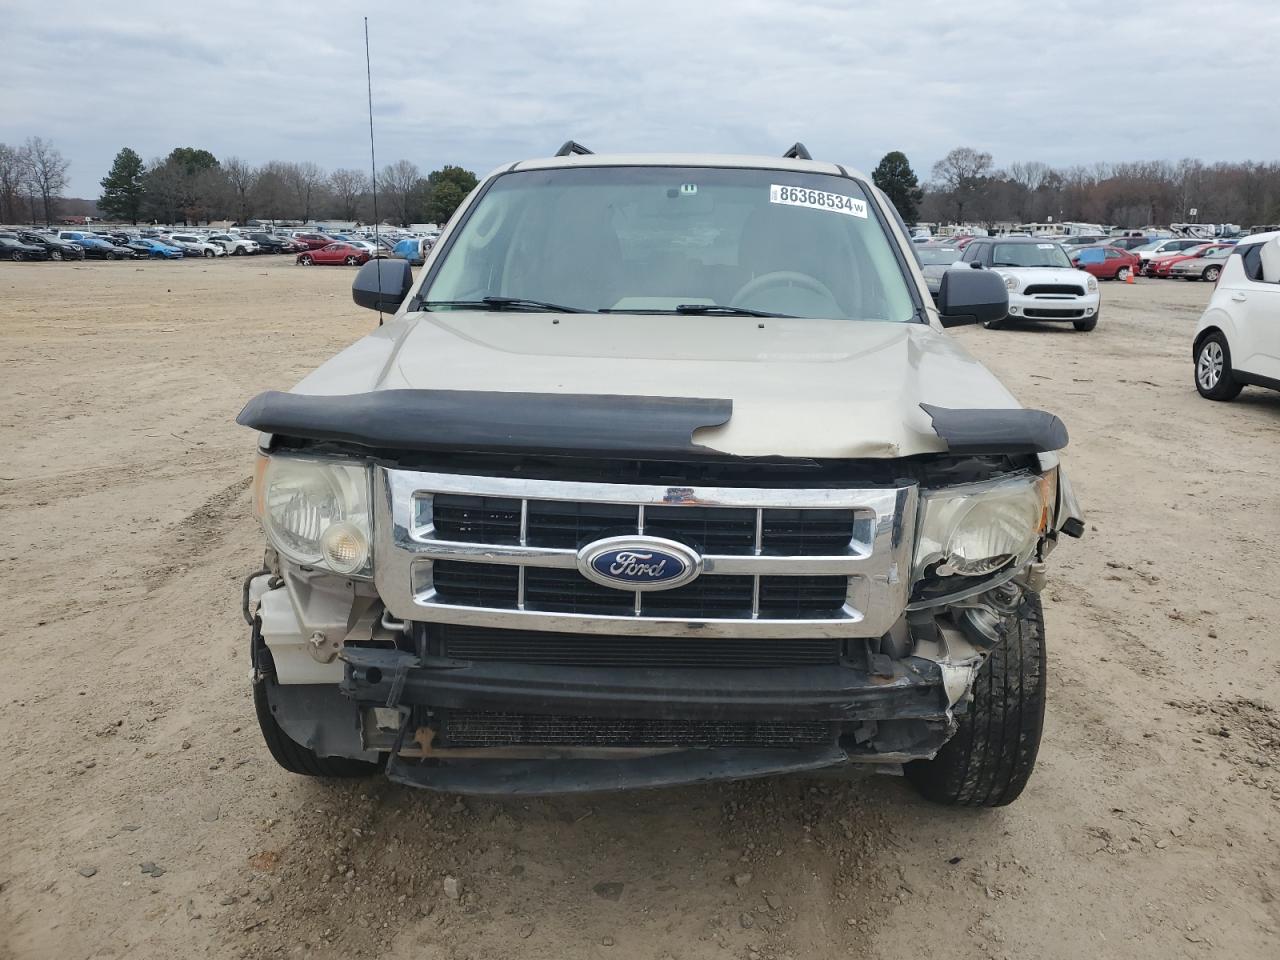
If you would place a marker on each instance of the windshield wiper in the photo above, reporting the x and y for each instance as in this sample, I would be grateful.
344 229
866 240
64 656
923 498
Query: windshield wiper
504 303
699 308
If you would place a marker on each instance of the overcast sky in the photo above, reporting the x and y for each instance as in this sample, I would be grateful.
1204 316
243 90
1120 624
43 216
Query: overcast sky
481 84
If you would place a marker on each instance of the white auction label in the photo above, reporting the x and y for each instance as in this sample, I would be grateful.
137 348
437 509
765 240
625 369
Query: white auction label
817 200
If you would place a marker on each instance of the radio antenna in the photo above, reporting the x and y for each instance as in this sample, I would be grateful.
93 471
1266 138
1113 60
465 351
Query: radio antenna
373 162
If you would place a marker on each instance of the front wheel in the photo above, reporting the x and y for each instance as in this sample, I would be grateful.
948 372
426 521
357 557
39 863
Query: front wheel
306 260
209 253
55 254
16 256
1214 377
1087 324
989 760
286 751
1212 274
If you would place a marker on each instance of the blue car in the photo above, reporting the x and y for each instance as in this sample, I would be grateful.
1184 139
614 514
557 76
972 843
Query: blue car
154 248
412 249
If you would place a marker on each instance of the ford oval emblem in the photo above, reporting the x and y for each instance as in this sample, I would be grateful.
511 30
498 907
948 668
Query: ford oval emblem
639 563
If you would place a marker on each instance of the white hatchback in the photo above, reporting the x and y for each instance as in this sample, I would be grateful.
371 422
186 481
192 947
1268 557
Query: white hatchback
1237 341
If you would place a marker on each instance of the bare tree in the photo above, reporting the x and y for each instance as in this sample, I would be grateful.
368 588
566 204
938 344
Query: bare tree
12 172
47 170
347 187
241 180
963 173
306 182
398 183
271 191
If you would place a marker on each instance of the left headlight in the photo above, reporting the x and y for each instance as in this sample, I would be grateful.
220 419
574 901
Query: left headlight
316 512
977 529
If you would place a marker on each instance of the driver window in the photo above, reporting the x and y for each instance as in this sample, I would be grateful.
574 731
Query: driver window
1262 262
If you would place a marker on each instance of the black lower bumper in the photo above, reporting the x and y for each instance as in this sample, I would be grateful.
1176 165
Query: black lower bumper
897 714
909 689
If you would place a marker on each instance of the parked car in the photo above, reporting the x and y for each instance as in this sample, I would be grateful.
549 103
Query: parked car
11 248
1206 265
1106 262
412 249
1043 283
314 241
56 249
346 253
1160 266
270 243
99 248
155 249
533 554
234 244
1169 245
1081 240
194 246
1237 342
935 259
1127 243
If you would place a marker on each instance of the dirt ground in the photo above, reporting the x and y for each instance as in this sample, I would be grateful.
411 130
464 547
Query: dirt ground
141 816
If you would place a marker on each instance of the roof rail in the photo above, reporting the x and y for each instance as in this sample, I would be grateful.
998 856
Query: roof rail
798 151
572 147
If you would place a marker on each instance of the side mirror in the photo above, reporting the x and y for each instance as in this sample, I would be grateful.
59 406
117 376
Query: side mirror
972 296
382 285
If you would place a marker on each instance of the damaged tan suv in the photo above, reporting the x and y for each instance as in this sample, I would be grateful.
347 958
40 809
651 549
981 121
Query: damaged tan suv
663 471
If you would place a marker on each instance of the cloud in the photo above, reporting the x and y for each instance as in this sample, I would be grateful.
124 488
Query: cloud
483 83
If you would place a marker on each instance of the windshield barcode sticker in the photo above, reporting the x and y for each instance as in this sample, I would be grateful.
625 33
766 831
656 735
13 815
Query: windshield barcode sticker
817 200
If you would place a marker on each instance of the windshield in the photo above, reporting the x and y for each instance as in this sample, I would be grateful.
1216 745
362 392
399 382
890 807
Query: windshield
935 255
1029 255
658 239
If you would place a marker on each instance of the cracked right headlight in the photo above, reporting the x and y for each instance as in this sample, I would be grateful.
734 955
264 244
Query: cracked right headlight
316 512
977 529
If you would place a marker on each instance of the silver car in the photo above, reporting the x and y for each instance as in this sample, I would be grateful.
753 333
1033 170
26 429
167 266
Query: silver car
1207 266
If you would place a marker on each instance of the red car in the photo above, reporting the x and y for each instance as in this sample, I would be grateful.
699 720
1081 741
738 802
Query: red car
1159 266
335 253
314 241
1114 264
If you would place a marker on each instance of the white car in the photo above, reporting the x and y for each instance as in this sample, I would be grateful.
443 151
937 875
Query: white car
193 246
1042 283
1162 248
1237 341
233 244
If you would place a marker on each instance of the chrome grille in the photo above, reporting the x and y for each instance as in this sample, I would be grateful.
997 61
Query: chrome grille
502 552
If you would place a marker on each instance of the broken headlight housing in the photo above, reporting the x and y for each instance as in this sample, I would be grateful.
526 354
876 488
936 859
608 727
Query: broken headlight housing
316 512
980 529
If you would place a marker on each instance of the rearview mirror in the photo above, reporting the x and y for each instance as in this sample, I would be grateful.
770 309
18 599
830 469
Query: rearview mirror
972 296
382 285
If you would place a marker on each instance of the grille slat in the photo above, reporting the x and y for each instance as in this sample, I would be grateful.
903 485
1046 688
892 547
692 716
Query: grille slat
1058 289
463 583
569 525
467 728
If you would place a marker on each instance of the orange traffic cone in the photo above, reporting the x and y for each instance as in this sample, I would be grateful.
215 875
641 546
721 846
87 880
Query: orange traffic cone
1129 279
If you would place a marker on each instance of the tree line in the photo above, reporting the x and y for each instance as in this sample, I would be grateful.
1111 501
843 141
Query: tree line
967 187
191 185
33 177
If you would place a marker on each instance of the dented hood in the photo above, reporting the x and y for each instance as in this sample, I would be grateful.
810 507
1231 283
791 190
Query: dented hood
798 388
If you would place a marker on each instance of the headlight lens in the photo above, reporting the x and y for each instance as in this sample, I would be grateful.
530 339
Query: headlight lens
976 529
316 512
1093 283
1011 283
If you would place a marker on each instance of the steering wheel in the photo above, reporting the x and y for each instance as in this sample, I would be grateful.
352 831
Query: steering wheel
780 278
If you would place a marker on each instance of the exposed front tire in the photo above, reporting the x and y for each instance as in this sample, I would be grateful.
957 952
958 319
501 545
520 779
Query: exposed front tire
1214 378
1212 274
55 254
989 760
306 260
286 751
1087 324
209 253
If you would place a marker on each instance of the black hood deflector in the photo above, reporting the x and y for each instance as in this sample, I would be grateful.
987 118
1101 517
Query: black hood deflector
997 431
493 422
